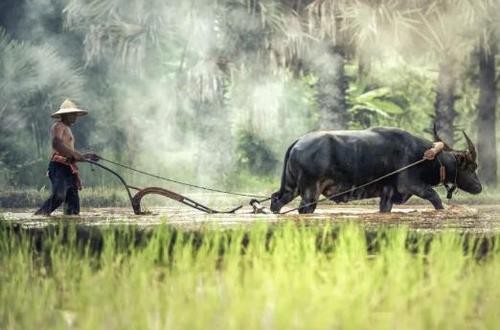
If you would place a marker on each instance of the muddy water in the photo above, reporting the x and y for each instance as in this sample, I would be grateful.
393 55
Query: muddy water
477 219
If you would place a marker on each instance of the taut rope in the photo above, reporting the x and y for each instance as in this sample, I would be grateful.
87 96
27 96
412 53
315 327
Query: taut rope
358 187
180 182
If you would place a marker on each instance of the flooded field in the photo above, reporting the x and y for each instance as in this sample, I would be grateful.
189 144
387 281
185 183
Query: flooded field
264 276
475 218
409 269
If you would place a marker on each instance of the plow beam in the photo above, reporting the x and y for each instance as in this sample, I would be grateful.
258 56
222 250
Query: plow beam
136 200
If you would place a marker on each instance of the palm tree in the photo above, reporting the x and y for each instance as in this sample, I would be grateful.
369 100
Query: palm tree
442 34
352 30
180 47
327 61
479 20
471 30
126 31
486 117
447 29
35 80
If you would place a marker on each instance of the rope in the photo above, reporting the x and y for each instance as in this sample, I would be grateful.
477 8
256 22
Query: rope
358 187
265 198
180 182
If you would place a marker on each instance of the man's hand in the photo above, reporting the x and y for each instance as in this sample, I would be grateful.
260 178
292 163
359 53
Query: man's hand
431 153
91 156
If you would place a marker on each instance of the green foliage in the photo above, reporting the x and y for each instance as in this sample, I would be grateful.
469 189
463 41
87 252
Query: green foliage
285 276
34 81
254 154
401 95
366 107
186 78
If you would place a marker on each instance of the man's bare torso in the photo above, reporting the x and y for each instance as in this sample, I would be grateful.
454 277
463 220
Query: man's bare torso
63 132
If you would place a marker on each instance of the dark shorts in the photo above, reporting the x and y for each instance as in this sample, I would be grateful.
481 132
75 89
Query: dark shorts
64 190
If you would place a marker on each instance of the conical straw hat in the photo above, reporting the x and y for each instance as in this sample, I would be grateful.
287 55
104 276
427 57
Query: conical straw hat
68 107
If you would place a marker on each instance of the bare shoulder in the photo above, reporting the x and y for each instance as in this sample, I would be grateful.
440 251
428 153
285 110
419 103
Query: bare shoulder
57 129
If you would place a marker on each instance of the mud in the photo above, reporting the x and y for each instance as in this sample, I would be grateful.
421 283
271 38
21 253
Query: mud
477 219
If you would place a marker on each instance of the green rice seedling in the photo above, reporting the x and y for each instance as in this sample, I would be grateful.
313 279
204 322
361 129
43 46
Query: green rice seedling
285 275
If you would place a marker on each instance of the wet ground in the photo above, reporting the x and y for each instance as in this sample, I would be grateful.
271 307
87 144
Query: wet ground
471 218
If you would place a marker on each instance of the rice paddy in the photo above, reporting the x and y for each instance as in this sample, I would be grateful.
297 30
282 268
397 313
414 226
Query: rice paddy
292 273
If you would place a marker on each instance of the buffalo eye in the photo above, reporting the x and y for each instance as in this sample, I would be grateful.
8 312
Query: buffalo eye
468 166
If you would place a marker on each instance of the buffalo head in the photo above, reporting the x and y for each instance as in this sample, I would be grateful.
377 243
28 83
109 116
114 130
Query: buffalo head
467 179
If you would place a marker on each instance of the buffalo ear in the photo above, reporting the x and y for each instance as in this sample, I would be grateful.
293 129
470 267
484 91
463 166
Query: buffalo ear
437 138
470 146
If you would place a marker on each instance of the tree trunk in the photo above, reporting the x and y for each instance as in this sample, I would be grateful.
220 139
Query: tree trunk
444 105
11 14
332 81
331 89
486 119
364 66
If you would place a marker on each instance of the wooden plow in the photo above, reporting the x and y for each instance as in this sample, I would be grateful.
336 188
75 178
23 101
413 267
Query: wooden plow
135 200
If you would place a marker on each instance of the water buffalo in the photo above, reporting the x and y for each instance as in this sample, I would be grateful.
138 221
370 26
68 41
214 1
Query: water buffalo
330 162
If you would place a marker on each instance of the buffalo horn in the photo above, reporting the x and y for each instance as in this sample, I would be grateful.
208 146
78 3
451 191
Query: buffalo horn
472 149
437 138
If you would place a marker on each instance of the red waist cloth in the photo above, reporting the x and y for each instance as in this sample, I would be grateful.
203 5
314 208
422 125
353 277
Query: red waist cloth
72 165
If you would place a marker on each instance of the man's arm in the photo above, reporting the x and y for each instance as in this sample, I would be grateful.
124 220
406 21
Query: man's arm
431 153
61 148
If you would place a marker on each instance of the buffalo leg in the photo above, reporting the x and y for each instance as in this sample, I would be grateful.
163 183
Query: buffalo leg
432 196
287 197
309 195
278 199
386 202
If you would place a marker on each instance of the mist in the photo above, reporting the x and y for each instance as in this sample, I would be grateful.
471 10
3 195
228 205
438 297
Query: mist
187 89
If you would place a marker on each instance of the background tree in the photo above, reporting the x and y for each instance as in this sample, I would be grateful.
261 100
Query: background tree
486 116
209 84
35 81
329 57
482 31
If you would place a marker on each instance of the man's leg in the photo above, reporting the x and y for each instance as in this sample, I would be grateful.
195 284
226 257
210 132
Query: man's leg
72 202
58 194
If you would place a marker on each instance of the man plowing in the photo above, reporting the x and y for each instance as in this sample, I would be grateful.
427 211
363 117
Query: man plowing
63 171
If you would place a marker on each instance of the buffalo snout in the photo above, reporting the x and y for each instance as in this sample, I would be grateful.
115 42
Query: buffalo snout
476 189
469 183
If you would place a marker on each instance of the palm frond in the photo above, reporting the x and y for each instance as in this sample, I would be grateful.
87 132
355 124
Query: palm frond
119 29
35 79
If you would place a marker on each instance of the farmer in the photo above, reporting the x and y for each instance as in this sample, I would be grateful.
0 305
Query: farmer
63 171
